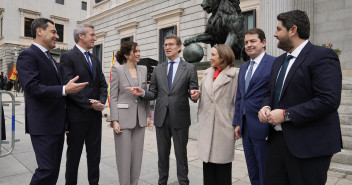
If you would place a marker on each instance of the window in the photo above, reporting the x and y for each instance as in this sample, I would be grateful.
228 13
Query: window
27 27
249 20
60 32
98 1
126 39
163 33
97 51
60 2
84 5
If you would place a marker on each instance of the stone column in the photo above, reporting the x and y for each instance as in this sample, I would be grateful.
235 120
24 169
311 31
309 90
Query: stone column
308 7
269 9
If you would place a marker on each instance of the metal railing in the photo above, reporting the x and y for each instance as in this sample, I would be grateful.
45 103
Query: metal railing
13 140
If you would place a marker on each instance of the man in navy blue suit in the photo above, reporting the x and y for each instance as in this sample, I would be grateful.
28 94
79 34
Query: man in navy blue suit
253 81
44 95
305 93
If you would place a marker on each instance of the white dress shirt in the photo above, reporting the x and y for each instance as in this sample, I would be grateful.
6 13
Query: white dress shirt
175 66
256 63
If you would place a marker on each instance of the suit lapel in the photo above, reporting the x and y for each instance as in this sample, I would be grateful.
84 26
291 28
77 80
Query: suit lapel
94 65
180 69
257 72
83 60
164 74
295 66
48 62
139 73
127 74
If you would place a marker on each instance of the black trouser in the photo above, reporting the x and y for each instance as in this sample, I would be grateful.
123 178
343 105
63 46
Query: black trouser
180 139
283 168
217 174
88 133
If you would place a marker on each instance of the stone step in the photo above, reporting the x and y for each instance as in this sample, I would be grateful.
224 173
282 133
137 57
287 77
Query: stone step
346 101
345 109
346 93
341 168
346 130
345 119
347 142
343 157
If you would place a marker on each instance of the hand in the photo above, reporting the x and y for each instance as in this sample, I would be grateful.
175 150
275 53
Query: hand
237 132
149 122
276 116
136 91
72 87
263 114
195 94
116 127
97 105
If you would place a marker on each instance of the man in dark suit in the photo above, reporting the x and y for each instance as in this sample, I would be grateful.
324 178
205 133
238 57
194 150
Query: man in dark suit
253 81
85 108
305 93
44 99
172 83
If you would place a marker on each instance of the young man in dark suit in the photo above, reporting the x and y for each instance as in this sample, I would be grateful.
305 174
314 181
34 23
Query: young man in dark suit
85 108
44 94
305 93
253 81
171 85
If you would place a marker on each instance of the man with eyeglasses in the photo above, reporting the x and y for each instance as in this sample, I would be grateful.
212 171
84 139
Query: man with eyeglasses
172 83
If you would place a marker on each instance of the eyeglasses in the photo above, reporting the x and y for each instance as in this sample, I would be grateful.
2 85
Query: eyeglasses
169 44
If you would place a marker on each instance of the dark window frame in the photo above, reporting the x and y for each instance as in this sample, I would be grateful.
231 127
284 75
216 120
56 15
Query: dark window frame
27 27
162 34
246 14
62 2
98 1
1 24
126 39
60 32
84 5
98 51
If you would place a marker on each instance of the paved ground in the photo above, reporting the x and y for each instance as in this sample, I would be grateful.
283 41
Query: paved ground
17 168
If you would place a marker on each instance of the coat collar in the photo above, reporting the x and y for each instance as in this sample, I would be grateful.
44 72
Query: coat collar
224 77
129 77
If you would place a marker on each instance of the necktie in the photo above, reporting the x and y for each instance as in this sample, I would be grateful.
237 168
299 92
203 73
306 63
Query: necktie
280 80
169 75
51 59
89 63
249 75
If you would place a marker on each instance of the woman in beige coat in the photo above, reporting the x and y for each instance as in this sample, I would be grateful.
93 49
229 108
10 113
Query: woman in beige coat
215 115
129 114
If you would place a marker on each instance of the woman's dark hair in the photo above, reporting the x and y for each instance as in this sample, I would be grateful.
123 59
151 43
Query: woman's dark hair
125 49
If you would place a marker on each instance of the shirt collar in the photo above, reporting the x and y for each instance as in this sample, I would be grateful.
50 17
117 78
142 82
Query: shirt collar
177 60
259 58
298 50
40 47
81 49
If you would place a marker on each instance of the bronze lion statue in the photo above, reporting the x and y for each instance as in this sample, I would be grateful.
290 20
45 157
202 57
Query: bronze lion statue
225 26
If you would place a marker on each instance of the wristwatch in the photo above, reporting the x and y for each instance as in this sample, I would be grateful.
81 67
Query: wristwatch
287 116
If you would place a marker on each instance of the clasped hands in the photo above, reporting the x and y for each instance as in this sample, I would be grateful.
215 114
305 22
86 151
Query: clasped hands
273 117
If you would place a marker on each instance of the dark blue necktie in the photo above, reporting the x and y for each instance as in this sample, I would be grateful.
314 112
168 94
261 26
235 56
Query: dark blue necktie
89 63
249 75
169 75
51 59
280 80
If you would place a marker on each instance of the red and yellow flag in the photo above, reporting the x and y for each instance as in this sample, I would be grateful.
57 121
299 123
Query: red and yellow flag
13 73
112 64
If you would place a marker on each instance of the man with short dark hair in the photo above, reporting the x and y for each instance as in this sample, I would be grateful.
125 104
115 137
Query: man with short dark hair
85 108
253 81
172 83
44 94
305 93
